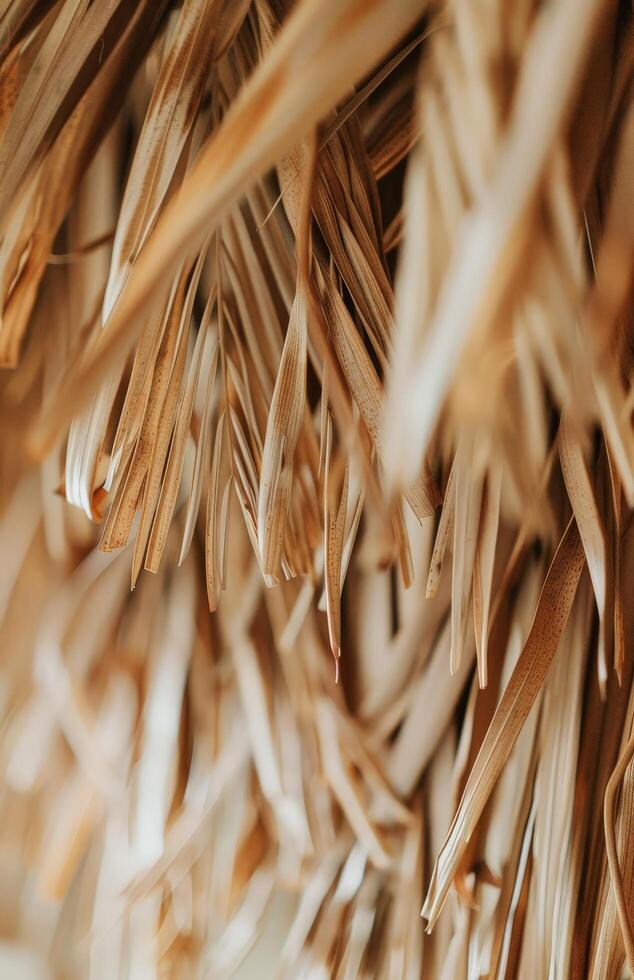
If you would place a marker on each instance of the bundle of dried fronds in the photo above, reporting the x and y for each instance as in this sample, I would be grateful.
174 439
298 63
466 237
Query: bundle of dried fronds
320 312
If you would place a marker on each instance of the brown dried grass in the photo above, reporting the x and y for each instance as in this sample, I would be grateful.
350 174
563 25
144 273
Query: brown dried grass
354 278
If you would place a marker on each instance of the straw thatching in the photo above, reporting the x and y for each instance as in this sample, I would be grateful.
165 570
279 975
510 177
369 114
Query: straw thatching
316 489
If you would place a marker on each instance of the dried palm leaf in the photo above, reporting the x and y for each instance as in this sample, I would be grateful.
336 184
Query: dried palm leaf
273 274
